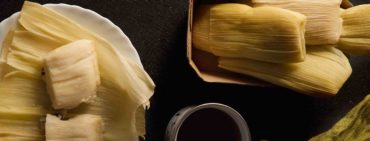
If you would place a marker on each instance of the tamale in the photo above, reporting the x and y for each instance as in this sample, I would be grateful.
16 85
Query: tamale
72 74
355 37
237 30
129 85
322 73
323 18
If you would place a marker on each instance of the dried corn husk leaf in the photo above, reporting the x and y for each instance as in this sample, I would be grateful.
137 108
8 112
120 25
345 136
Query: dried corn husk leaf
354 126
19 122
83 127
23 102
26 51
355 38
323 18
25 62
33 44
322 73
109 100
21 130
4 67
6 46
23 90
237 30
140 121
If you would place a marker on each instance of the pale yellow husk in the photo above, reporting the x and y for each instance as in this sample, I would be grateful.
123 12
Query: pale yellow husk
355 38
237 30
4 67
27 50
354 126
322 73
23 104
84 127
71 65
125 87
323 18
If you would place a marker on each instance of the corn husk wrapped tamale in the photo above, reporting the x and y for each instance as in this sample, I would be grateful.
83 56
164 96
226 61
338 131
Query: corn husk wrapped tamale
63 74
355 37
322 73
125 86
323 18
237 30
354 126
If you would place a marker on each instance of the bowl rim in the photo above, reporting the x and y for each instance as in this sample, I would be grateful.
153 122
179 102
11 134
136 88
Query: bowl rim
180 117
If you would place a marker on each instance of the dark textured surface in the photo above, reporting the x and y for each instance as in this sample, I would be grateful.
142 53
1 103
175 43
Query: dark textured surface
157 29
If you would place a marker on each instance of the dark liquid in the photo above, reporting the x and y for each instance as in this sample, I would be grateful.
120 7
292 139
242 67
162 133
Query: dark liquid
209 125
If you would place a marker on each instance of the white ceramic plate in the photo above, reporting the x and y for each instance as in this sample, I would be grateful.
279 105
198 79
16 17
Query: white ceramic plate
90 20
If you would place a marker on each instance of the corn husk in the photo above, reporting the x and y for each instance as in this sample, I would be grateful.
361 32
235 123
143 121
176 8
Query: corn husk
25 62
23 103
83 127
33 44
6 46
237 30
354 126
355 37
24 90
26 51
322 73
323 18
4 67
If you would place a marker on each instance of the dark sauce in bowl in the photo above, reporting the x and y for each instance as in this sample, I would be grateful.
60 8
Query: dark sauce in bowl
209 125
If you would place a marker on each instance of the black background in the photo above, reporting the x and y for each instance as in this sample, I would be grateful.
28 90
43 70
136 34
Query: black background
157 28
